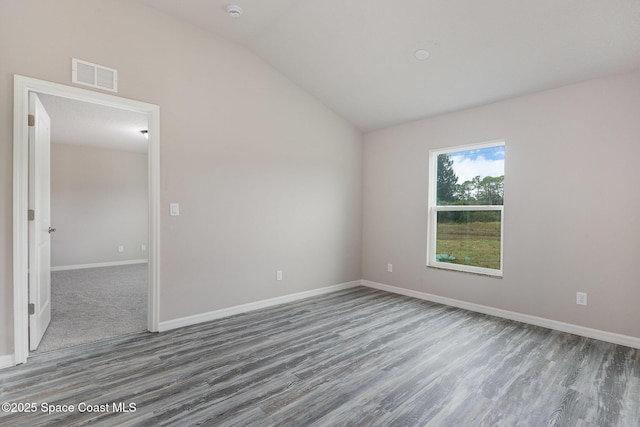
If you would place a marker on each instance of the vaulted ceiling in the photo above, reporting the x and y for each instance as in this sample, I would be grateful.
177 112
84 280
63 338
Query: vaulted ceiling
358 56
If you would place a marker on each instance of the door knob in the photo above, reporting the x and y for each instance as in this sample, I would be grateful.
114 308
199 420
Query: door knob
51 230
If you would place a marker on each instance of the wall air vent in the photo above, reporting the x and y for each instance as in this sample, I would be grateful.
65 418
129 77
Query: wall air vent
94 75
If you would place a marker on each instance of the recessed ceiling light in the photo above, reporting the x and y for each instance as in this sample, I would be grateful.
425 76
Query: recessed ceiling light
421 54
234 11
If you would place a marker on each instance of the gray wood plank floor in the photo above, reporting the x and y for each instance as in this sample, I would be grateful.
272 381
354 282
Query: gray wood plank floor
356 357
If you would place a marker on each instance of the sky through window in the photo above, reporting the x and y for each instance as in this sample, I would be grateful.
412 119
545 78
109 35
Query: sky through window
481 162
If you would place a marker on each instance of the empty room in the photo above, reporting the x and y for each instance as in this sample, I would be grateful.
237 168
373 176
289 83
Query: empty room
354 213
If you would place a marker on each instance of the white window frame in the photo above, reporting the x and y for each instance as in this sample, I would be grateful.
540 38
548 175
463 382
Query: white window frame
434 209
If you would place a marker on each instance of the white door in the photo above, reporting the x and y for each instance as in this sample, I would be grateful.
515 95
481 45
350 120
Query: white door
39 221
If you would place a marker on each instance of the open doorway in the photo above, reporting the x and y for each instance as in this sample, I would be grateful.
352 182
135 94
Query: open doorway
23 87
99 214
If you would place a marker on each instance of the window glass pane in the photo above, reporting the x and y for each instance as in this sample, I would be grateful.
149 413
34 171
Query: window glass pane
469 238
471 177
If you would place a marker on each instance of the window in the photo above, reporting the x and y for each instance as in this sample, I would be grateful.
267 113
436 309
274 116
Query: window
466 199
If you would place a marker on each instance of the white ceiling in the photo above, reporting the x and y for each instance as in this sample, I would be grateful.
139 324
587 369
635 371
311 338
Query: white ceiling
82 123
357 56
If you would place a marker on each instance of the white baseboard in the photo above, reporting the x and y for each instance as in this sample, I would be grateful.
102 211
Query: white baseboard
230 311
512 315
99 264
7 361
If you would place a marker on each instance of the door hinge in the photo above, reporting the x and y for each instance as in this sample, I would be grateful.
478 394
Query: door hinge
32 120
32 308
31 215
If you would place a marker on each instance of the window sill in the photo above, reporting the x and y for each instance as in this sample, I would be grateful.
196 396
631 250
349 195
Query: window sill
466 269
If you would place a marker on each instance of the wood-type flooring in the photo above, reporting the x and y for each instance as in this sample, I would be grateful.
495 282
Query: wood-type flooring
358 357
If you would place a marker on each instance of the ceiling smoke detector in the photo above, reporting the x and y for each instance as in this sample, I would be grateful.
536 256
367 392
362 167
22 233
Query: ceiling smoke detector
234 11
421 54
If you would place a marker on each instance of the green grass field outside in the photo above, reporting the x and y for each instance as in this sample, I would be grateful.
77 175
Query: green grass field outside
476 243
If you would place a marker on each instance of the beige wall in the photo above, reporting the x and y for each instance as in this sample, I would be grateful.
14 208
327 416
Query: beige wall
267 178
572 205
99 201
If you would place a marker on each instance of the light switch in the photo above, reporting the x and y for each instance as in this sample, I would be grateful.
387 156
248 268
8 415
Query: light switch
175 209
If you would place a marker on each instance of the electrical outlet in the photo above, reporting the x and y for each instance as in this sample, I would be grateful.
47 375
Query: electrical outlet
279 275
121 248
390 268
143 248
581 298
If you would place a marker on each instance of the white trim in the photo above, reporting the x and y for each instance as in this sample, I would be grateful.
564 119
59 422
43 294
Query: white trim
467 147
7 361
597 334
153 300
238 309
20 234
467 269
99 264
464 208
22 87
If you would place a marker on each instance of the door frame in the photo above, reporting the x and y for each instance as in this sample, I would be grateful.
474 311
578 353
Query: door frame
22 87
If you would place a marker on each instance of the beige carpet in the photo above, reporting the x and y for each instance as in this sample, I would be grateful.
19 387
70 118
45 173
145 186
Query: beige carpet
95 303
